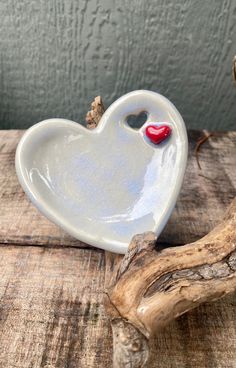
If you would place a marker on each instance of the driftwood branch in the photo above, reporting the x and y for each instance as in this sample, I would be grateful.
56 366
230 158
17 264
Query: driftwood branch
234 69
94 115
151 287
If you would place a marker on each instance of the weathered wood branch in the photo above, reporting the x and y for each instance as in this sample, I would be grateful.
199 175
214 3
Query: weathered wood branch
94 115
151 287
234 69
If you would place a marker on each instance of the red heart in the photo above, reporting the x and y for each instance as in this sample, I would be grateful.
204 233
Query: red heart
157 134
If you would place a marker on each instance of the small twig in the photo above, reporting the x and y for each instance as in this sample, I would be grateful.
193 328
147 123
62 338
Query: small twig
199 144
234 69
206 177
94 115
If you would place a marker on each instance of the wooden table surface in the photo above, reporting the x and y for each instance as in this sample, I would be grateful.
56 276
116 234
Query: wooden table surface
51 285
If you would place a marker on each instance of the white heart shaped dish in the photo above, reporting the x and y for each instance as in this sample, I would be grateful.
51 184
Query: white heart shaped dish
103 186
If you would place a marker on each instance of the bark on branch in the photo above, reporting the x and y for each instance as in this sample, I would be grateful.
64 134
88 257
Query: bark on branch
94 115
151 287
154 287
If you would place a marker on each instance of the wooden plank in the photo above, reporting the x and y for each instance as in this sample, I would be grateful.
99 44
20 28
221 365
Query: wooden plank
202 338
51 311
202 202
52 316
51 298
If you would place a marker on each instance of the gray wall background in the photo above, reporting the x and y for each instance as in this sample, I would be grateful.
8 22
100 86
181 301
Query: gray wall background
56 55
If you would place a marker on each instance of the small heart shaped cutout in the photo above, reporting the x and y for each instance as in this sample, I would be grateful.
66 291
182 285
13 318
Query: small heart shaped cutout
137 121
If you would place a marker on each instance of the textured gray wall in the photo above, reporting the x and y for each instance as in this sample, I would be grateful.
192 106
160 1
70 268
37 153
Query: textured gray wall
56 55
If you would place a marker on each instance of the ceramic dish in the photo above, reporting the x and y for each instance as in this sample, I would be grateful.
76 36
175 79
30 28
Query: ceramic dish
103 186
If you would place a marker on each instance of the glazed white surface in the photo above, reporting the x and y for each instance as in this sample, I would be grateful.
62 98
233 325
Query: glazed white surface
103 186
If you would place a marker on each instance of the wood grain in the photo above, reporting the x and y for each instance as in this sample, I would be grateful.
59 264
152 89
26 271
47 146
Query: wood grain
57 55
203 199
50 308
51 289
52 317
203 338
